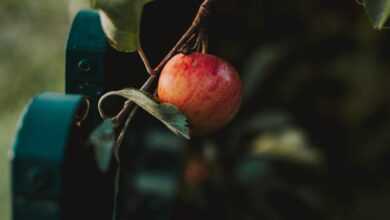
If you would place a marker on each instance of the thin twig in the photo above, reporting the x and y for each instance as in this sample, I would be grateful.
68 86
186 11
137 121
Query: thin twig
146 62
120 117
201 14
121 136
116 192
184 47
198 42
128 112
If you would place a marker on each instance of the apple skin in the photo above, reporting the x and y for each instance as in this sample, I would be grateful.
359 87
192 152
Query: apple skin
204 87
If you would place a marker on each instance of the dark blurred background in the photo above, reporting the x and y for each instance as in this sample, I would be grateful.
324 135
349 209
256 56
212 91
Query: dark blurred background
311 139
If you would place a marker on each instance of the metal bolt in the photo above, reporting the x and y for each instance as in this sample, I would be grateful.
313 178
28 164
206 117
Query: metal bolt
84 65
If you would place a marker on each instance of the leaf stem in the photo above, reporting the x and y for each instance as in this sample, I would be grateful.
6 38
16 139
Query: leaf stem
146 62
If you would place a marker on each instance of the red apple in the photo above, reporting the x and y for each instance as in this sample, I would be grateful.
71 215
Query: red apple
204 87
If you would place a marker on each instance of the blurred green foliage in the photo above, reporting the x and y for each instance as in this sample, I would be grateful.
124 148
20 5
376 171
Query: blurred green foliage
32 40
322 64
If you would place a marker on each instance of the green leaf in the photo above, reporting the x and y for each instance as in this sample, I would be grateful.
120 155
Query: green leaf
378 11
168 114
121 22
103 140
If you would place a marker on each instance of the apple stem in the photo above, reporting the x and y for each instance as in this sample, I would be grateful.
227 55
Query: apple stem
204 41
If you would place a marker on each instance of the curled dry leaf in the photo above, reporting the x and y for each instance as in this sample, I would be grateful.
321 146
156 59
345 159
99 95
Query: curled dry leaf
168 114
